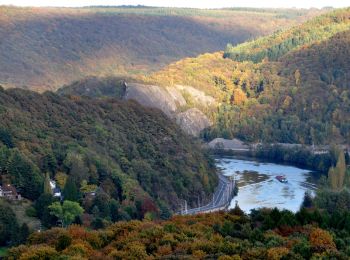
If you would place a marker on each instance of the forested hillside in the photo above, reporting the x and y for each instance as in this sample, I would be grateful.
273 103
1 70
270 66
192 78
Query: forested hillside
84 158
45 48
133 159
300 95
280 43
265 234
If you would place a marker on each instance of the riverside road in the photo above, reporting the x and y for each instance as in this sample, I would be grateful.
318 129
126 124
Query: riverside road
221 198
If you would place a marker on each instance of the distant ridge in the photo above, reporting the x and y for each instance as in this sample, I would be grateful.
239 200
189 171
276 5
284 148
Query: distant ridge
46 48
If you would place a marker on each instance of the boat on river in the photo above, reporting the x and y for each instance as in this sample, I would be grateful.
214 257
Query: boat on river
282 179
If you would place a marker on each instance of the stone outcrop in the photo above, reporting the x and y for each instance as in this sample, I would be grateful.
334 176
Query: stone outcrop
196 95
193 121
152 96
172 102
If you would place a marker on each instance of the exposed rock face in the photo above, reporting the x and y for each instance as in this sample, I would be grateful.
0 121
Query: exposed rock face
169 100
177 96
152 96
198 96
193 121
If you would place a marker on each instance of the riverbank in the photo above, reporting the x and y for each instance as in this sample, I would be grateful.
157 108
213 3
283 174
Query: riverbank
259 188
252 182
240 146
293 154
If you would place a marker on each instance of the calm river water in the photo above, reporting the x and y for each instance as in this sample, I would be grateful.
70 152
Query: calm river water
258 186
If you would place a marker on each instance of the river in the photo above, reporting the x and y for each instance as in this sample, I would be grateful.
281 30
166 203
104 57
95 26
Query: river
258 186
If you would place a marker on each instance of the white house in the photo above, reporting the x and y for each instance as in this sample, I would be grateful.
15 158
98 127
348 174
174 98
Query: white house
56 191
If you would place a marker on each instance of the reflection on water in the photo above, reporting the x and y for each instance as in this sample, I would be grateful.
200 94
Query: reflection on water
249 177
258 186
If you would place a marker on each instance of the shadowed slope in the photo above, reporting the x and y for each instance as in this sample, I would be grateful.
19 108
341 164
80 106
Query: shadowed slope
44 48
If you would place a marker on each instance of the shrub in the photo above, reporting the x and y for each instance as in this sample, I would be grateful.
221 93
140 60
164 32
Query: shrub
63 241
39 252
277 253
321 241
31 212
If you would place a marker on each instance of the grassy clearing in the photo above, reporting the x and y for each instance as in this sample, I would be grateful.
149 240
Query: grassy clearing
19 208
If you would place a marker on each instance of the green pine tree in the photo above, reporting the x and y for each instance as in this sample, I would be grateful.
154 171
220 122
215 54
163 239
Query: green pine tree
70 191
25 176
337 174
47 186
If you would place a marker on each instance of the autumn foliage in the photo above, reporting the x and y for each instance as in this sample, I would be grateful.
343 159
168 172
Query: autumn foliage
216 235
289 87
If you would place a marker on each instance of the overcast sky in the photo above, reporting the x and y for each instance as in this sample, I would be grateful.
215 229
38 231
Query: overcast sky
184 3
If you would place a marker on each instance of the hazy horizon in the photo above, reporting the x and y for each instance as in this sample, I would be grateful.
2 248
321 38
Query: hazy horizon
182 3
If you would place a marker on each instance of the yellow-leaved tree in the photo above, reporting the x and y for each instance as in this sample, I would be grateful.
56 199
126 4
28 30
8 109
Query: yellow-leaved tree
337 174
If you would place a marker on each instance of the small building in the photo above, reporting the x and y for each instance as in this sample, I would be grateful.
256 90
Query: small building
88 199
10 192
56 191
90 195
52 184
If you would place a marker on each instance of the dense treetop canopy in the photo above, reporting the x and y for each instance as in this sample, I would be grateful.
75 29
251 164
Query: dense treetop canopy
129 152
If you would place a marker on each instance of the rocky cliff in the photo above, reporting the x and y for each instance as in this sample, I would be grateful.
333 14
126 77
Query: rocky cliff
174 102
183 104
